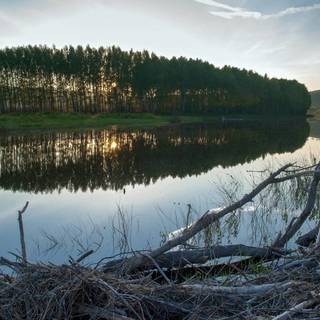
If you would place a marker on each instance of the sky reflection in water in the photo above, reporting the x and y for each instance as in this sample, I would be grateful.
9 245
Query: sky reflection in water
77 181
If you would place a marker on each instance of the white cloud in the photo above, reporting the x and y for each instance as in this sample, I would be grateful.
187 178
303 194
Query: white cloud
293 10
240 14
235 12
218 5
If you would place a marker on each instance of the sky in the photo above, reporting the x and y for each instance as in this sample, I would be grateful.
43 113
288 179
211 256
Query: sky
280 38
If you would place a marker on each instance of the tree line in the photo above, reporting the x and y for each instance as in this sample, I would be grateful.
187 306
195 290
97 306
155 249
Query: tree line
86 79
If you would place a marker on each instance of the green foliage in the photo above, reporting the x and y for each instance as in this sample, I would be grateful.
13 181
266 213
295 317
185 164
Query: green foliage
260 268
77 79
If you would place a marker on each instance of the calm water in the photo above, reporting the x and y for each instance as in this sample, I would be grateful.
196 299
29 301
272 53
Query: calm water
77 182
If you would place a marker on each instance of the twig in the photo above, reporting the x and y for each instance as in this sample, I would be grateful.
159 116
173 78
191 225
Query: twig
159 269
84 256
21 230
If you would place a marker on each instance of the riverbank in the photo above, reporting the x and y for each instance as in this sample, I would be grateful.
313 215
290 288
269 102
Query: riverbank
17 121
78 120
27 121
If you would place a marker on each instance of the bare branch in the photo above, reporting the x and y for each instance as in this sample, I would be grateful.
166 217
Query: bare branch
21 230
297 222
207 219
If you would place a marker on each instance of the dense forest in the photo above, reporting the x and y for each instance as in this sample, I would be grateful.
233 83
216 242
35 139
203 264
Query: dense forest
114 159
78 79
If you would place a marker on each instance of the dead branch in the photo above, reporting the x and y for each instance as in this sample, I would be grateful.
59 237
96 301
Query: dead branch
296 309
21 231
207 219
294 176
309 237
84 256
238 291
296 223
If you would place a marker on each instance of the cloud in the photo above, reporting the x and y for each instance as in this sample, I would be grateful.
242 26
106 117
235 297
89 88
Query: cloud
261 49
238 14
218 5
293 10
235 12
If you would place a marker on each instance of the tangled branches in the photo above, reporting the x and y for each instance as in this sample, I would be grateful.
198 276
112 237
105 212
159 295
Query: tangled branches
71 291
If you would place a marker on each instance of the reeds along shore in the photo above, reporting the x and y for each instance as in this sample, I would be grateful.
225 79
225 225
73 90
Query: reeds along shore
154 285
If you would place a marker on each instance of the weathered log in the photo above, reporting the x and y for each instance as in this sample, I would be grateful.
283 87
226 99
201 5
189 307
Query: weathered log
182 258
297 222
198 256
207 219
243 290
179 275
307 263
308 238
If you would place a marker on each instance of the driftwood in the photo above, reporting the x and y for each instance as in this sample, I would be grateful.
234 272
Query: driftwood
308 238
238 291
182 258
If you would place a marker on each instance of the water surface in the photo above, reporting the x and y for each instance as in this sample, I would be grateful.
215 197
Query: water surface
77 182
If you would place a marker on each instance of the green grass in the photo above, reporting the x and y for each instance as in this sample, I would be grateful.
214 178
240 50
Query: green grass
30 121
17 121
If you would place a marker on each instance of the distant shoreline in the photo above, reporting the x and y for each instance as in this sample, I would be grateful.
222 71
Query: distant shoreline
51 121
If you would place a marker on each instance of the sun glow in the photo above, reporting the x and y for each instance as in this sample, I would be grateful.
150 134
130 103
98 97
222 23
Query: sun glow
113 145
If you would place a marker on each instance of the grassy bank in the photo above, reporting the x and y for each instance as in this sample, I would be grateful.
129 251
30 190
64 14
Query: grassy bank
16 121
27 121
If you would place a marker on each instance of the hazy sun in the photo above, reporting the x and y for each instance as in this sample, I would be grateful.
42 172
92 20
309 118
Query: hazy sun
113 145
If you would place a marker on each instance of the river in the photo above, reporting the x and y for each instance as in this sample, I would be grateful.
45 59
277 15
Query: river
114 190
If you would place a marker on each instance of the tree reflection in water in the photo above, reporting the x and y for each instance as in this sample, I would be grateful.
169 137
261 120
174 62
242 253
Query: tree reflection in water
112 159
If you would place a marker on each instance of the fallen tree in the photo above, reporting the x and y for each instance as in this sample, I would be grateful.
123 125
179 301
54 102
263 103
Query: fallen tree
211 216
182 258
207 219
